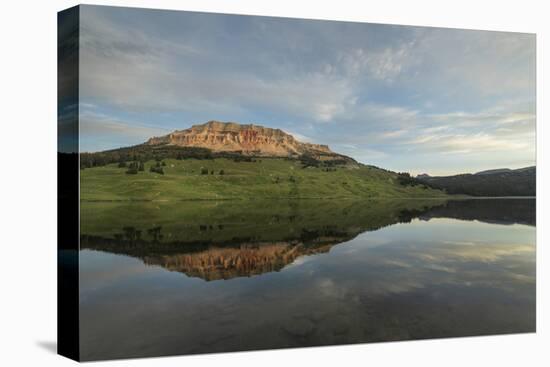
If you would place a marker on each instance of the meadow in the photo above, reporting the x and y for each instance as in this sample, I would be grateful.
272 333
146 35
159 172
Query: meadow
259 178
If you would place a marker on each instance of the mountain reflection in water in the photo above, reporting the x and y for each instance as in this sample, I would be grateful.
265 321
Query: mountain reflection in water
203 277
214 244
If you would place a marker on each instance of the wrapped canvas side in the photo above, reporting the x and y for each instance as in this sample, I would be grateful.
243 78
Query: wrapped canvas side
68 184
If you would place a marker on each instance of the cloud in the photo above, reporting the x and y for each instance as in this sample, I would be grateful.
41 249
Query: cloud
300 137
393 134
385 64
95 126
462 143
485 117
147 83
386 95
125 65
484 131
104 126
362 153
464 64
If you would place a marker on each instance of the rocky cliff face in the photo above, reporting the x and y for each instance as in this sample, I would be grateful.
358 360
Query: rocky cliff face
246 139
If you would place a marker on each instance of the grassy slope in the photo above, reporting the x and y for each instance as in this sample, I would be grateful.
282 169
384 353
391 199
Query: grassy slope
242 180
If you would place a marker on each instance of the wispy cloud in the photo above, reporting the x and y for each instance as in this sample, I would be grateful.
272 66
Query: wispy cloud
96 126
393 134
462 143
106 126
387 95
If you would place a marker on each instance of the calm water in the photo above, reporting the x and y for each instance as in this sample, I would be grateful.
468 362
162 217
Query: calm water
163 279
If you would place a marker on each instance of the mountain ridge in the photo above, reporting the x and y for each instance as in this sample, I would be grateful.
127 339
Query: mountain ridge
246 139
494 182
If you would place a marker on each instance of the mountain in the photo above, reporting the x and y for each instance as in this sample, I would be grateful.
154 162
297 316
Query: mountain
251 140
493 171
496 182
227 160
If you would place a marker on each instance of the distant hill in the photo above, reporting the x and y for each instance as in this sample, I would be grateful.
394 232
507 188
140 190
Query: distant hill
496 182
493 171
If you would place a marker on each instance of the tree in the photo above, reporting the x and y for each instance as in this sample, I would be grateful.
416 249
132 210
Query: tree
132 168
204 171
158 170
405 179
163 163
122 165
222 172
141 166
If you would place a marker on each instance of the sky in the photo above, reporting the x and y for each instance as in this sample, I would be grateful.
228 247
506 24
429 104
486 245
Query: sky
416 99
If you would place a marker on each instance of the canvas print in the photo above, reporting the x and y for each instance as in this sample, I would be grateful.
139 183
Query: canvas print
233 183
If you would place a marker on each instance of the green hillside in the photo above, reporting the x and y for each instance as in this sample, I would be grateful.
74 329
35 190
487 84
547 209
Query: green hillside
257 178
498 182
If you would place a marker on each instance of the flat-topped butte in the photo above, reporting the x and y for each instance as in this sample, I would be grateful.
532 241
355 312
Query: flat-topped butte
220 160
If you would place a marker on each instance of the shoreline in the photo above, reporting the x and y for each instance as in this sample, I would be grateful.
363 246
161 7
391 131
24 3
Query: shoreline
458 197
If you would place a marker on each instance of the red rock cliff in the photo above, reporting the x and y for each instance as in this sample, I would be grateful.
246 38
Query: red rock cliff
247 139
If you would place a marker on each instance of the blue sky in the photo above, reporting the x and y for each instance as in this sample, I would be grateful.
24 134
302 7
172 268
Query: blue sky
415 99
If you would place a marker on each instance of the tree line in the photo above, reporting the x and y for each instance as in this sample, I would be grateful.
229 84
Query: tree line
144 153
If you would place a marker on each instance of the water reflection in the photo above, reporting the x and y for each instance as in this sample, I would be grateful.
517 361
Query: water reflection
301 274
187 248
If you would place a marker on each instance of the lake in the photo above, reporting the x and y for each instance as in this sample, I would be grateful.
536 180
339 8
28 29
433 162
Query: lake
199 277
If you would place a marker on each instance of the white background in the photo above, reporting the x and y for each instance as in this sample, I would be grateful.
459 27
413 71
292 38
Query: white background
28 183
